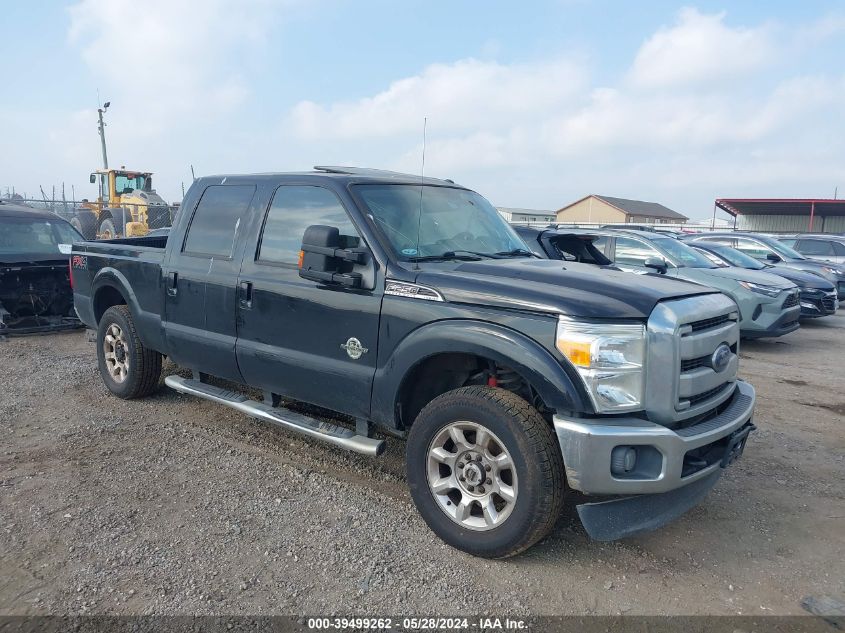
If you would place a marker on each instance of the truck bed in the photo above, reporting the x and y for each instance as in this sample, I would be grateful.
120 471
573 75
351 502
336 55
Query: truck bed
131 264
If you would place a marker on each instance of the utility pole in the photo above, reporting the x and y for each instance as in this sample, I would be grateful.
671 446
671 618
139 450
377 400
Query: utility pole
102 128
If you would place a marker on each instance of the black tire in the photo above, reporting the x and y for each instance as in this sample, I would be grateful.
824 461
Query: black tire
535 454
112 225
86 223
143 364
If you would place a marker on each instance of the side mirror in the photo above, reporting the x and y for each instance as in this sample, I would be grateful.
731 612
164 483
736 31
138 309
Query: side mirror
322 257
657 264
774 257
92 179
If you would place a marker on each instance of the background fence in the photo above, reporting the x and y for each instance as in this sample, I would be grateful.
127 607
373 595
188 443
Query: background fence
79 213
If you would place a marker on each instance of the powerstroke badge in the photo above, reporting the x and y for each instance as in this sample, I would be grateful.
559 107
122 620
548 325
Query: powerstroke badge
354 348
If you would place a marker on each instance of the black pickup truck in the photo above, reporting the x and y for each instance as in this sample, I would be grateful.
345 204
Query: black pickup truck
410 306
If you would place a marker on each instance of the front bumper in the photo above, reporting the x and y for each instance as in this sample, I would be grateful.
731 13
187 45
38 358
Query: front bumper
785 323
671 459
620 518
818 303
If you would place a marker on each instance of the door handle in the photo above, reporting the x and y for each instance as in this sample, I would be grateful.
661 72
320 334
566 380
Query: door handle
172 282
246 295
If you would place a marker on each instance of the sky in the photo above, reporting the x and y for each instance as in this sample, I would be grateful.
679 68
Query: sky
534 105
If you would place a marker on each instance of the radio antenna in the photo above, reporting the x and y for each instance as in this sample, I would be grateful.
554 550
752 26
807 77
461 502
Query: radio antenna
422 180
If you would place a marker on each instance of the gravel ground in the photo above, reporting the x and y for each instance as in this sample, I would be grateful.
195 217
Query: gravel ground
173 505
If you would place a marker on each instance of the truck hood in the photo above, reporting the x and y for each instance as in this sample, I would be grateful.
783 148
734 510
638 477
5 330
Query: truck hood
740 274
578 290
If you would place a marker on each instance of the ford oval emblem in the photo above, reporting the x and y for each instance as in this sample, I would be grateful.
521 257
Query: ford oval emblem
721 358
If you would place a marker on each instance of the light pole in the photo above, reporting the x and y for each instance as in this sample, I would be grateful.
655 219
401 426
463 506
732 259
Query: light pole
102 128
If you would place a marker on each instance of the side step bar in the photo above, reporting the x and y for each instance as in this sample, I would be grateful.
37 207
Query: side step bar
285 418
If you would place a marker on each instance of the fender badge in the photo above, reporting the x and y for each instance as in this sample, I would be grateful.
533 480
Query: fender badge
354 348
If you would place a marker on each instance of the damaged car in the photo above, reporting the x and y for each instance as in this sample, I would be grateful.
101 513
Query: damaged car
35 290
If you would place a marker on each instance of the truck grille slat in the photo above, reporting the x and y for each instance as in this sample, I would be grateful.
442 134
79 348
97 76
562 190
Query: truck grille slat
705 395
695 363
706 324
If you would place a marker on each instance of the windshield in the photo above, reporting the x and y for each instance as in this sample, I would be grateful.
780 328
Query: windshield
36 236
127 182
430 221
781 249
683 255
736 258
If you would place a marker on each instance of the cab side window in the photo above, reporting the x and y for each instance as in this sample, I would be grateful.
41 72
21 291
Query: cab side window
214 225
294 209
633 252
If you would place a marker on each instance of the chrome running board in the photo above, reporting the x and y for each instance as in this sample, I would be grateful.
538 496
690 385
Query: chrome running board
285 418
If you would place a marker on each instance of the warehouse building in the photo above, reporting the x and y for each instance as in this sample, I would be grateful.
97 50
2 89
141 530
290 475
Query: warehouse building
595 209
786 215
526 216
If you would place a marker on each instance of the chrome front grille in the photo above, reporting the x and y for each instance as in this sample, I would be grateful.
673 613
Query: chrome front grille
683 336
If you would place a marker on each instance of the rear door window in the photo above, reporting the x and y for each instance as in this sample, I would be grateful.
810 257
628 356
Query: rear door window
294 209
814 247
214 226
753 248
633 252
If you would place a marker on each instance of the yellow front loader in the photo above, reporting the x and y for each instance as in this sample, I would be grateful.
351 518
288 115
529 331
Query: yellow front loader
127 205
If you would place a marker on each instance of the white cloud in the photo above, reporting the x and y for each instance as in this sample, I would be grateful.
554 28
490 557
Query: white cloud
674 120
460 97
826 27
701 48
162 59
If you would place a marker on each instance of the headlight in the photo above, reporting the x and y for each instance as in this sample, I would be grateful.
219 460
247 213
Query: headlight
833 271
769 291
609 358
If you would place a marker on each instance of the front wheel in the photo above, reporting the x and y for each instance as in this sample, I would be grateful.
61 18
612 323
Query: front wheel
127 368
485 471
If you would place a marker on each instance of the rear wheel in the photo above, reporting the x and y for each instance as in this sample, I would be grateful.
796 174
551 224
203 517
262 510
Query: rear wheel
485 471
127 368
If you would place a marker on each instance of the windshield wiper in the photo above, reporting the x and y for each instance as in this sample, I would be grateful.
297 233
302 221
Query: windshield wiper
466 256
517 252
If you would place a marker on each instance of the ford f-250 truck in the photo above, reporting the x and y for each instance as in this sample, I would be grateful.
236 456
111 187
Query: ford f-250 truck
408 304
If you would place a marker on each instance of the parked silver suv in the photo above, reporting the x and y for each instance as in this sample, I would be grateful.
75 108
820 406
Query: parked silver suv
829 248
768 304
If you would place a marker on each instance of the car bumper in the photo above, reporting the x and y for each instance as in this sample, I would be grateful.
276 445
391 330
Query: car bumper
784 323
818 304
587 446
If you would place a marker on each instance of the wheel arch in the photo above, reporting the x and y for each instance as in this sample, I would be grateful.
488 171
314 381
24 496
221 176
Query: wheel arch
437 343
109 288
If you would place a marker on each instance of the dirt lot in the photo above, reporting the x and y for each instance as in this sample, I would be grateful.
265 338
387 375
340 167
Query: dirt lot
176 505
